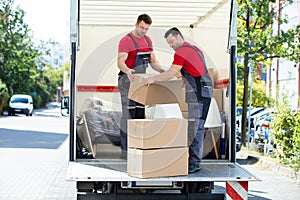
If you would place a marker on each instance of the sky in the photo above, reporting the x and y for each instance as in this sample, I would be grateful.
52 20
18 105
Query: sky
48 19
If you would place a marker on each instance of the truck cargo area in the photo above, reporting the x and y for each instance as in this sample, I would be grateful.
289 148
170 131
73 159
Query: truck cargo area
96 162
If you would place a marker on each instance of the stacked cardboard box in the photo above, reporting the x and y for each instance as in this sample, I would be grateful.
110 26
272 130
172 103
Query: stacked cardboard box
156 147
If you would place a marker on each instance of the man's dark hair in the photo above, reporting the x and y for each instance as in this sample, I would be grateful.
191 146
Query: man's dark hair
144 17
174 31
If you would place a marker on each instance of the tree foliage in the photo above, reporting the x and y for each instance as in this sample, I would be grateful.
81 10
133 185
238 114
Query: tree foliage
259 96
286 130
56 76
259 42
22 62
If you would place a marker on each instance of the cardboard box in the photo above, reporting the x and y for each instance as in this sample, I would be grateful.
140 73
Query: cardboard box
161 92
212 141
182 104
157 133
218 95
185 114
157 162
211 72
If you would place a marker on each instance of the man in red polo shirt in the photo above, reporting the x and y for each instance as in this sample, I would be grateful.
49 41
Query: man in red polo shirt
134 54
189 60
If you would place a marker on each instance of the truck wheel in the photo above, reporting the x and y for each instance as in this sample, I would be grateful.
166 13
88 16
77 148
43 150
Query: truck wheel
197 187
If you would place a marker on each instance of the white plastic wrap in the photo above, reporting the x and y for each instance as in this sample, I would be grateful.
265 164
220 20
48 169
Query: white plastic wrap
102 122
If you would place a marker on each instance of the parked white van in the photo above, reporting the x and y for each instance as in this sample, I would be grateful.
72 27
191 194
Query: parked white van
20 103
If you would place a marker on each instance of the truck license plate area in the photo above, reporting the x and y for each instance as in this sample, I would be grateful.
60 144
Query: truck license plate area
151 184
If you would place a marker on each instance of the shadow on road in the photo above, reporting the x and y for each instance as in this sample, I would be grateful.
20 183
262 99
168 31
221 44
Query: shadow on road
45 114
250 160
10 138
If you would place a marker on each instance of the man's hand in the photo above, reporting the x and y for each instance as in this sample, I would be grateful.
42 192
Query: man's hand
130 74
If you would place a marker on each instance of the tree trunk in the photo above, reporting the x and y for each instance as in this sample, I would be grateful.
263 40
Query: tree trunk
2 102
245 99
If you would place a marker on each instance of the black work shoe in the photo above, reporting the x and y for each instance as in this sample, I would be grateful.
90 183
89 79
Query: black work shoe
194 168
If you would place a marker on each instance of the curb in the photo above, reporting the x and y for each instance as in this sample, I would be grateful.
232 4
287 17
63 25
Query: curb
271 166
283 170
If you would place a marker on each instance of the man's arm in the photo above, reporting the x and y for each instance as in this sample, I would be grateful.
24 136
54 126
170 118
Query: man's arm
122 56
170 73
155 63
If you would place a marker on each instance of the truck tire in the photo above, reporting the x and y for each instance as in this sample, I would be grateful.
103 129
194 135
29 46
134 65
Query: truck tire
197 187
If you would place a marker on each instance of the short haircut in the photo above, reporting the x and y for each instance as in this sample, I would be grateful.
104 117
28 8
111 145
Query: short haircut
144 17
174 31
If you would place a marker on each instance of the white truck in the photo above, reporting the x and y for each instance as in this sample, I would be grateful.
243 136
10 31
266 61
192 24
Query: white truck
96 28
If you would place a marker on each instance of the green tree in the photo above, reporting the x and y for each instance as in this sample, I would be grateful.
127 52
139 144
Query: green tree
22 62
258 44
18 62
55 78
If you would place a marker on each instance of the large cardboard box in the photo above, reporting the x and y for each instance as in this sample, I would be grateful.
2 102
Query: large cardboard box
157 133
153 163
160 92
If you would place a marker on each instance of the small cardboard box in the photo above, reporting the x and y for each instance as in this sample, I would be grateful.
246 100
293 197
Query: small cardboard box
152 163
218 95
211 141
212 74
185 114
160 92
157 133
182 104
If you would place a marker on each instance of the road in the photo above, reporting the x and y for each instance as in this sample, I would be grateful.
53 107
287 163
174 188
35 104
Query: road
34 160
34 157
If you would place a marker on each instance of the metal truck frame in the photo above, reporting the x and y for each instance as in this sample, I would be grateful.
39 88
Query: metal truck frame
107 178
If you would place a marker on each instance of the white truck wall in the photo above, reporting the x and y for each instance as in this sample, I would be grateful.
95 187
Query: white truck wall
98 47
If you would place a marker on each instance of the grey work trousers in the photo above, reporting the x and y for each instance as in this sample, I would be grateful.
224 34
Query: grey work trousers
197 113
130 109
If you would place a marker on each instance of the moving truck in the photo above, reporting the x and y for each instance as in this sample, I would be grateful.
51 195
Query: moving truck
95 159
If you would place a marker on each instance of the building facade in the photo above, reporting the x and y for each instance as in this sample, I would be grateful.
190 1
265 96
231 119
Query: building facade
283 77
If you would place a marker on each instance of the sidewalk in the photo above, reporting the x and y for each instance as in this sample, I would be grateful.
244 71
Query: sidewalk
267 163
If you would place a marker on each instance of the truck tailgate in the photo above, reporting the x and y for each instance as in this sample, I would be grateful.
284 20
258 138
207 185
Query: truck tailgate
115 170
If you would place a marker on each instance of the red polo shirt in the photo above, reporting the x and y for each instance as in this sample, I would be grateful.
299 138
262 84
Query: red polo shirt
126 45
189 59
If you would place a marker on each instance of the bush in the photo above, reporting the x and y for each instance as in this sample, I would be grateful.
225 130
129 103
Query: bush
286 130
